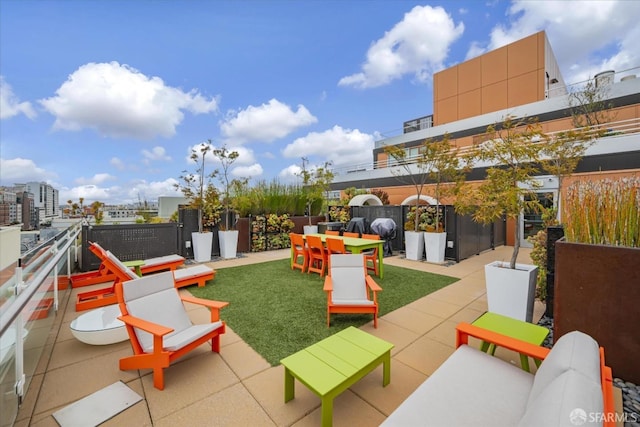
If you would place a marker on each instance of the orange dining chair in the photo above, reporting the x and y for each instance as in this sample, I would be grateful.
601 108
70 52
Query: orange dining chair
334 246
317 255
350 289
299 252
332 232
347 234
371 255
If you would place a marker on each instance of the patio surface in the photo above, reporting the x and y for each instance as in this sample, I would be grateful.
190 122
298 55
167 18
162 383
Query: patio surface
238 387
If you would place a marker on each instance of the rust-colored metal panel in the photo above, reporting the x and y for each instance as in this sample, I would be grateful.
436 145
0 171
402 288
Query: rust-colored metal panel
597 291
494 97
494 66
470 104
447 83
523 56
523 89
470 75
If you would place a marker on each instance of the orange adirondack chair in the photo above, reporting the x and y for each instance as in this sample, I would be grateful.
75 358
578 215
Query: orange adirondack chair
298 251
349 288
332 232
317 255
158 325
348 234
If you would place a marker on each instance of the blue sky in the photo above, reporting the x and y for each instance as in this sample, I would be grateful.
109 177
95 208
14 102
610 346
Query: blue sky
105 99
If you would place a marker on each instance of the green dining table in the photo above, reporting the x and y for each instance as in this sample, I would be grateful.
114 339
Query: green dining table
356 245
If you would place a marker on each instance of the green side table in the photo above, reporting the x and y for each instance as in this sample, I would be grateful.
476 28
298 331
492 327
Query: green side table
513 328
136 265
334 364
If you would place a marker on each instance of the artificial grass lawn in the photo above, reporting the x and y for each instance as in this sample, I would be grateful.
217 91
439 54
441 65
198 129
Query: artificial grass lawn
279 311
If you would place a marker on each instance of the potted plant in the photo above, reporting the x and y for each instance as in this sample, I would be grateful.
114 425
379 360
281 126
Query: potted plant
596 268
316 182
436 162
511 153
202 196
227 235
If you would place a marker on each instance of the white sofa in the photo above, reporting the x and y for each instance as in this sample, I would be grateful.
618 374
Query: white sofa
571 387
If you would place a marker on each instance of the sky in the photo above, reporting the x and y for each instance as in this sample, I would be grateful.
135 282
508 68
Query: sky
106 99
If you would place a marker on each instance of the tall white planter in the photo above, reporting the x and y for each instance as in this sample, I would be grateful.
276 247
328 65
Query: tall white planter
434 245
511 292
414 245
202 243
310 229
228 243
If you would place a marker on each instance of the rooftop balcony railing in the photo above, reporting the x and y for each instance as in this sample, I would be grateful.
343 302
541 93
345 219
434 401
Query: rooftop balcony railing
612 130
29 295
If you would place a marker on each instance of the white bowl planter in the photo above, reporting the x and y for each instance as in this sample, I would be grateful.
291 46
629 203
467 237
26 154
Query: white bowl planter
310 229
414 245
228 243
511 292
202 243
434 245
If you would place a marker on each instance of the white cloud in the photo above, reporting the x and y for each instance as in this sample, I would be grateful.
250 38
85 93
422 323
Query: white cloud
264 123
117 163
119 101
155 154
416 45
132 192
98 178
10 105
337 145
21 170
586 36
251 171
290 174
245 156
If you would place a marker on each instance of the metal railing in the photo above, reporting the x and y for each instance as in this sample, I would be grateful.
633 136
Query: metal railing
613 129
29 295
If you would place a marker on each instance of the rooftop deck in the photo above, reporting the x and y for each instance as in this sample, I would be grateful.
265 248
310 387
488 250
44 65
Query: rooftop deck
238 387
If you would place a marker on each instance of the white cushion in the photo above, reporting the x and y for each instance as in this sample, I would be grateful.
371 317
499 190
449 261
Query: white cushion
154 298
571 395
575 350
151 262
348 278
196 270
121 266
470 388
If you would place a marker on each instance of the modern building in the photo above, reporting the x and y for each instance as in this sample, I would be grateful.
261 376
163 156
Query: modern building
45 198
521 80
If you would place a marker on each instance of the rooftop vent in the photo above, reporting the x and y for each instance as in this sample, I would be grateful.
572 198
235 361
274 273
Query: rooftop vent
604 78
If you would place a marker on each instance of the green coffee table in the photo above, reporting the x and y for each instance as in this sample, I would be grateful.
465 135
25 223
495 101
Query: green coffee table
334 364
524 331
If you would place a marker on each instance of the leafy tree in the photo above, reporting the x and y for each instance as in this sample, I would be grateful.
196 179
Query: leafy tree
436 161
316 182
196 186
563 151
96 211
509 186
226 159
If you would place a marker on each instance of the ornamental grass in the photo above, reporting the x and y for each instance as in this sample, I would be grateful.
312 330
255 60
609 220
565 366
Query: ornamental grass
605 212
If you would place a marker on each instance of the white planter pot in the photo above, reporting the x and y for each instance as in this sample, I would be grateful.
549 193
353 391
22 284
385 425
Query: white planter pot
414 245
434 245
228 243
310 229
202 246
511 292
